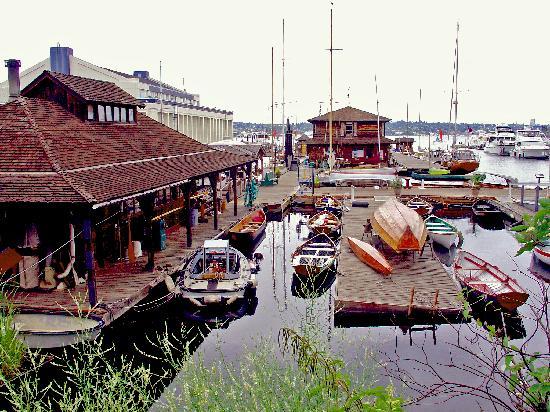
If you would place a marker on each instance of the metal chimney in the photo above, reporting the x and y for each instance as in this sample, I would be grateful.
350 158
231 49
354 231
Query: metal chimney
14 83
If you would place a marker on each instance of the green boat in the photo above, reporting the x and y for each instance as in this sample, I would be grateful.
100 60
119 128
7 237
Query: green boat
426 176
441 232
438 172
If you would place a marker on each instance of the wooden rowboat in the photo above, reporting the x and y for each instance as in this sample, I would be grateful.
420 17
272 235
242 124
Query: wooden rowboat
441 232
483 208
315 256
370 256
249 229
542 252
399 226
324 222
330 204
422 207
488 281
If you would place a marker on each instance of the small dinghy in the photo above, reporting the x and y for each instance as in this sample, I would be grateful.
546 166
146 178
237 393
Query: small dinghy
421 207
488 281
330 204
399 226
370 256
216 274
441 232
482 208
542 252
249 229
315 256
324 222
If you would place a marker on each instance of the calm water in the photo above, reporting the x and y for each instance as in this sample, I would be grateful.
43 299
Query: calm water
522 169
279 304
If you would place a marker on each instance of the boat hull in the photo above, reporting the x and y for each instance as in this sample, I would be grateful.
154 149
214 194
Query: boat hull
531 153
370 256
509 301
441 232
238 234
461 167
542 254
444 239
310 271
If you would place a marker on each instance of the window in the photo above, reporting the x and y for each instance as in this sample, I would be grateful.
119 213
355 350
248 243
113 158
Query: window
130 115
358 153
116 114
108 114
123 114
100 113
90 112
349 128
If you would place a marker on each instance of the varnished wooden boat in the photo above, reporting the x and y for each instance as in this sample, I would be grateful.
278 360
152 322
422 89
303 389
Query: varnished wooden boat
249 229
421 207
483 208
441 232
324 222
329 204
488 282
315 256
370 256
399 226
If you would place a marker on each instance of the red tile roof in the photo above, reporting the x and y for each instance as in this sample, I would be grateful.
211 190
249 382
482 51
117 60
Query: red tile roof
349 114
88 89
48 154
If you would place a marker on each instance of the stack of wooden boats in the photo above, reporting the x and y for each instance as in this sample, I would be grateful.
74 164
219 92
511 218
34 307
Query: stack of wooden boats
325 222
441 232
399 226
317 255
421 207
488 282
330 204
249 229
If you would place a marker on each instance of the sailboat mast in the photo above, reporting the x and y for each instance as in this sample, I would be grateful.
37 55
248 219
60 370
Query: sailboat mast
272 106
456 85
377 118
330 112
283 102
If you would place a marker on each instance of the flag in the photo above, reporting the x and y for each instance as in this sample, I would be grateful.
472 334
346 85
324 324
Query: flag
440 135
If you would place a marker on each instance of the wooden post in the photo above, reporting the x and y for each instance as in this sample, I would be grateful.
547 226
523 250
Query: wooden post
147 205
411 302
435 300
234 184
88 237
249 171
187 222
214 184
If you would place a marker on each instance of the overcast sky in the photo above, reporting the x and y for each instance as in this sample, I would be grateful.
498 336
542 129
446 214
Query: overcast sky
223 50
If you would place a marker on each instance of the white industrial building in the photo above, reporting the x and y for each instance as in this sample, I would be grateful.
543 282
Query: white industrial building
173 107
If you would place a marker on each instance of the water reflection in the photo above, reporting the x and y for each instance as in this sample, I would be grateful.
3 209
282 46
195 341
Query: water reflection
310 287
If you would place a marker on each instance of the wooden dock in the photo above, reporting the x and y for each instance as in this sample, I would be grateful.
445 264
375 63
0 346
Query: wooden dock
410 162
361 289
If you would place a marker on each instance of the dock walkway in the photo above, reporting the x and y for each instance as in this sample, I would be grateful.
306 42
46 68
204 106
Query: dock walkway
362 289
410 162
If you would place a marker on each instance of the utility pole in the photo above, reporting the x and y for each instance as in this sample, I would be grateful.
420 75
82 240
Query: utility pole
272 108
456 85
377 119
160 80
283 103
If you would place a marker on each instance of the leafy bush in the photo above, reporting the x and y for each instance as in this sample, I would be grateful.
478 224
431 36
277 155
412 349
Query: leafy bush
535 229
12 350
396 183
477 178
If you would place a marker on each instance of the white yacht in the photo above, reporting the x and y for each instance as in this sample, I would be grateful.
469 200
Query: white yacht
501 142
531 144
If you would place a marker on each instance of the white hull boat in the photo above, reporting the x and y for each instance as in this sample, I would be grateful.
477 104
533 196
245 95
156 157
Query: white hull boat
542 252
501 142
216 274
530 144
441 232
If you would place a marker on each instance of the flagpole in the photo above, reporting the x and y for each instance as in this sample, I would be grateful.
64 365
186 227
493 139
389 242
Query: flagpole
377 119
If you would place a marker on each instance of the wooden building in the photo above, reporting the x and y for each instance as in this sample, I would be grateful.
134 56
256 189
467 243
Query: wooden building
354 137
84 176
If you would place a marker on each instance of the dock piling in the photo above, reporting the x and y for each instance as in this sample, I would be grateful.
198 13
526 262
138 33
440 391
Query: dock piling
411 302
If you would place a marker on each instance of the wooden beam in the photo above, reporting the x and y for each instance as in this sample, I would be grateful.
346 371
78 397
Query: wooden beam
187 213
88 237
147 205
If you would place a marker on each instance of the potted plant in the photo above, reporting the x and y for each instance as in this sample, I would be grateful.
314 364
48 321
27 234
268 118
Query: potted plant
476 180
396 184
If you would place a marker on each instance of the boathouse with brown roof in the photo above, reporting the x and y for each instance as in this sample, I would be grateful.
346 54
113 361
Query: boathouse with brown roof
84 176
354 137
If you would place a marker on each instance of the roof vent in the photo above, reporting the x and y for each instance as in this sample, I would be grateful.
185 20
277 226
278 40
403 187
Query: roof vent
14 84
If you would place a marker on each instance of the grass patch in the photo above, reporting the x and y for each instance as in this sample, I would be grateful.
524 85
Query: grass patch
12 350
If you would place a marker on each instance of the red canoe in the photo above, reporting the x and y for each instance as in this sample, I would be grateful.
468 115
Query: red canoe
488 281
370 256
